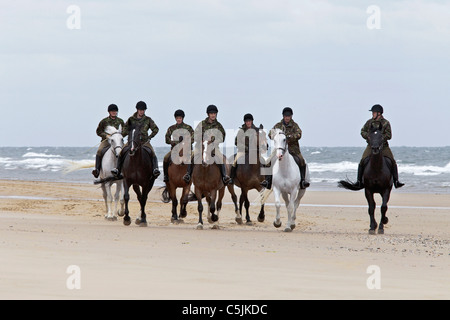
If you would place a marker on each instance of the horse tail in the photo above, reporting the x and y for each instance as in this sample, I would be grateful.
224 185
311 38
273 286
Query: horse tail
165 195
71 166
347 184
263 196
105 180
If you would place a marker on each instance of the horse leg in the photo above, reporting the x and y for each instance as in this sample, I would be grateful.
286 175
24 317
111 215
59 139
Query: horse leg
233 197
126 197
289 201
384 207
137 190
122 202
200 210
241 203
184 201
143 201
276 193
108 199
261 216
300 194
372 205
215 217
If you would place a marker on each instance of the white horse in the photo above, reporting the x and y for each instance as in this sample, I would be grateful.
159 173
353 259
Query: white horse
109 162
285 180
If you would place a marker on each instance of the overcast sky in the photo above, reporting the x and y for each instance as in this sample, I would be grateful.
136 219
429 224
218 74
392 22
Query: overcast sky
318 57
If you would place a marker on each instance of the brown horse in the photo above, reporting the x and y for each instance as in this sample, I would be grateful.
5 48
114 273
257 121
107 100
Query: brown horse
248 174
208 183
176 173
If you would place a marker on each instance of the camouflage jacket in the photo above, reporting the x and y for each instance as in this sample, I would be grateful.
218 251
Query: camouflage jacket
174 127
293 134
385 129
206 125
108 121
147 124
244 129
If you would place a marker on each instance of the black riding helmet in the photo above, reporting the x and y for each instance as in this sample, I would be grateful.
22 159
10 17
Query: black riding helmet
211 109
179 113
113 107
248 116
377 108
287 112
141 105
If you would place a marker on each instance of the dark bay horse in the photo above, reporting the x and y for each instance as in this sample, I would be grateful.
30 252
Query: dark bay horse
377 178
137 171
176 171
248 173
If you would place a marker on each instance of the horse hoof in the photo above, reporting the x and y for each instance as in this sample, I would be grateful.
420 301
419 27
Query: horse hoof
111 218
183 215
137 221
143 224
385 220
126 221
120 214
380 231
249 223
372 231
277 225
215 227
238 220
261 218
287 229
292 226
199 226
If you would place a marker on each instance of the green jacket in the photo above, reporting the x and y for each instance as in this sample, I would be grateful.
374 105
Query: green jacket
174 127
293 134
108 121
247 140
385 129
206 125
147 124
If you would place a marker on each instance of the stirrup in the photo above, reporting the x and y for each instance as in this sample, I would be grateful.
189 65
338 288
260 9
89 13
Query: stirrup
187 177
95 173
156 173
226 180
264 184
166 178
398 184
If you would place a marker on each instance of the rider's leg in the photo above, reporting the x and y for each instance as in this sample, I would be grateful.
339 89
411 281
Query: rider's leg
98 158
118 170
302 166
166 163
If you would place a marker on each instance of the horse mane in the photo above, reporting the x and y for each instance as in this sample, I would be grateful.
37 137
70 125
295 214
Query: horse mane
110 130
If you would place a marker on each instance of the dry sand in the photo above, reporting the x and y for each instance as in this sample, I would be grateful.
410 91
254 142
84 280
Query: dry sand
47 227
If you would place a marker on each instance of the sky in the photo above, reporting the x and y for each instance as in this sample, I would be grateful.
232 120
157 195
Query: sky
330 61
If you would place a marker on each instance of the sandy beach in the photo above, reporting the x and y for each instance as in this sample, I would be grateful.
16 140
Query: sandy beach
47 227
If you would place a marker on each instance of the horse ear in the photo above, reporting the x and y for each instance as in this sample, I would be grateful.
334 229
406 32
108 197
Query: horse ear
120 128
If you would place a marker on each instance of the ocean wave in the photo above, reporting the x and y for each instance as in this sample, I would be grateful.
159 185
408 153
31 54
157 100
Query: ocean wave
343 166
423 170
40 155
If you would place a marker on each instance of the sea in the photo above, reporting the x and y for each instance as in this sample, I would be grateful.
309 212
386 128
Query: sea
422 169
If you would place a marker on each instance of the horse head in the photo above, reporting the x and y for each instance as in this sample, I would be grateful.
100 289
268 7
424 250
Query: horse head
115 139
376 139
280 142
262 139
135 138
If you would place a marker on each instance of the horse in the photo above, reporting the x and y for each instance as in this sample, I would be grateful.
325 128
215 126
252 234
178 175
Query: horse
377 178
176 173
109 162
106 179
285 180
208 183
248 176
137 171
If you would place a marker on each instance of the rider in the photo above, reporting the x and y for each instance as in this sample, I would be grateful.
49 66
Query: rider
179 117
293 134
375 121
112 120
147 124
248 124
209 123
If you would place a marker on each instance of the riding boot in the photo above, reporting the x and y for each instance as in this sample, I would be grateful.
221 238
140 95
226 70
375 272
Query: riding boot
233 172
98 163
394 172
223 172
360 175
267 183
156 171
118 170
166 171
303 183
187 176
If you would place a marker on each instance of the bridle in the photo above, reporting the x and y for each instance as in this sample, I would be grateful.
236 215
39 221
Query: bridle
116 147
285 145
